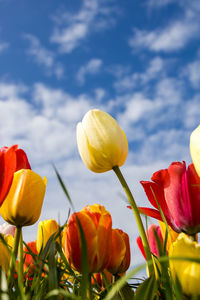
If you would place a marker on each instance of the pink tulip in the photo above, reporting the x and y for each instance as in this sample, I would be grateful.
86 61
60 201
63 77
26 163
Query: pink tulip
177 190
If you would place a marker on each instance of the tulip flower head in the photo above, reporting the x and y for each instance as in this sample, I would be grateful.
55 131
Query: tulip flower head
101 142
11 160
188 272
177 191
120 252
195 148
22 206
45 230
96 223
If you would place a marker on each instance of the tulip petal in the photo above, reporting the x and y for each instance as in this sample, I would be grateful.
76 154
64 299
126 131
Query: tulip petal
154 192
7 167
22 160
177 195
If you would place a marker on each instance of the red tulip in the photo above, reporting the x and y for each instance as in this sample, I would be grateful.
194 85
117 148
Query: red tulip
96 223
12 159
177 190
151 235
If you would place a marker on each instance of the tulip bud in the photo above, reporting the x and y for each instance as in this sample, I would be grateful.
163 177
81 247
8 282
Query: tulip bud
23 204
5 255
120 252
45 230
195 148
188 272
101 142
96 223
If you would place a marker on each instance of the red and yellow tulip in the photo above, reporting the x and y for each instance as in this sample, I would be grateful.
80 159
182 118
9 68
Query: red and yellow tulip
96 223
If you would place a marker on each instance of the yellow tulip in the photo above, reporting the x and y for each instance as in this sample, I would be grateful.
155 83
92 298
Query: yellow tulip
188 272
23 204
101 142
45 230
5 256
195 148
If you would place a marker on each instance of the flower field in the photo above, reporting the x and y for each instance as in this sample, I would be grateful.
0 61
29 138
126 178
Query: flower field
86 258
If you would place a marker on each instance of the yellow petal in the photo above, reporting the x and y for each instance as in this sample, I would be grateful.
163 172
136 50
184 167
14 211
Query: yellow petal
101 142
45 230
188 272
195 148
23 204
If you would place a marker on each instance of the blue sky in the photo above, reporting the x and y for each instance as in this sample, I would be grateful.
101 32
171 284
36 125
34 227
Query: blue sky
137 60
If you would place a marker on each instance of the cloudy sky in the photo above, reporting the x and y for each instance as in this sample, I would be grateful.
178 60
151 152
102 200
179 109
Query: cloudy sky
137 60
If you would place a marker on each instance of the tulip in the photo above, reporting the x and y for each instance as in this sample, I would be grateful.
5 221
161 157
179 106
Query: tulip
188 272
11 160
152 231
195 148
5 255
96 223
23 204
29 258
45 230
101 142
177 190
120 252
6 228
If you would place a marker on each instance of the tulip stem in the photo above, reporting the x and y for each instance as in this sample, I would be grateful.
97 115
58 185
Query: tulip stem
20 270
129 195
14 254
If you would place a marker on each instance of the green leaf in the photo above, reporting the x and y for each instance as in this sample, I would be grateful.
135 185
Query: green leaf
64 187
53 282
120 283
147 290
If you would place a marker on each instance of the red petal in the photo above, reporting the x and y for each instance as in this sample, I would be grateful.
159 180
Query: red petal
194 192
22 160
150 212
7 169
155 192
140 245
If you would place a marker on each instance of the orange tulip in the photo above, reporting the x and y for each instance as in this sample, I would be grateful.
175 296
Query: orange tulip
96 223
120 252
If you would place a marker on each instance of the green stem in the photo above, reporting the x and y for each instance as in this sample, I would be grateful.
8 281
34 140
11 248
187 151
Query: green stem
137 218
14 254
20 270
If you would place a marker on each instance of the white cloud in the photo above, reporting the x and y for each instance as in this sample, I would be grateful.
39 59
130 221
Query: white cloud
72 29
44 57
192 72
171 37
3 46
91 68
157 67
